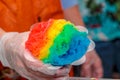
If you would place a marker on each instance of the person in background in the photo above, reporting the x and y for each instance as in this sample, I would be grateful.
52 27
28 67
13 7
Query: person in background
18 16
92 66
102 19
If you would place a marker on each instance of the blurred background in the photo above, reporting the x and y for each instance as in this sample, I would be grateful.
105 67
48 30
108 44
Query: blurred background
102 19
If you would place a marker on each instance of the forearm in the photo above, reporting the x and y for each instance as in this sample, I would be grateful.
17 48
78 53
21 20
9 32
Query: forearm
4 41
2 51
72 14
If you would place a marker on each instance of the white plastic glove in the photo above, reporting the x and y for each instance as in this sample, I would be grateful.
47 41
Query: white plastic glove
14 55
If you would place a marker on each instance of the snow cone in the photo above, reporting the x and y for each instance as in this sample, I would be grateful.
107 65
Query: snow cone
57 42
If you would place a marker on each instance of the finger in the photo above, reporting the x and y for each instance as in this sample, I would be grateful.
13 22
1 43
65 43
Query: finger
63 70
86 70
38 75
86 67
98 70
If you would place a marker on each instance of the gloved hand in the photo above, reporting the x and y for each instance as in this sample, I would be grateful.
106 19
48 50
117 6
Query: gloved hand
14 55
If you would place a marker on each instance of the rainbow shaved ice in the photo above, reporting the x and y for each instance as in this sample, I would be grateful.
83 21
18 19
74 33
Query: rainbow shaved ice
57 42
